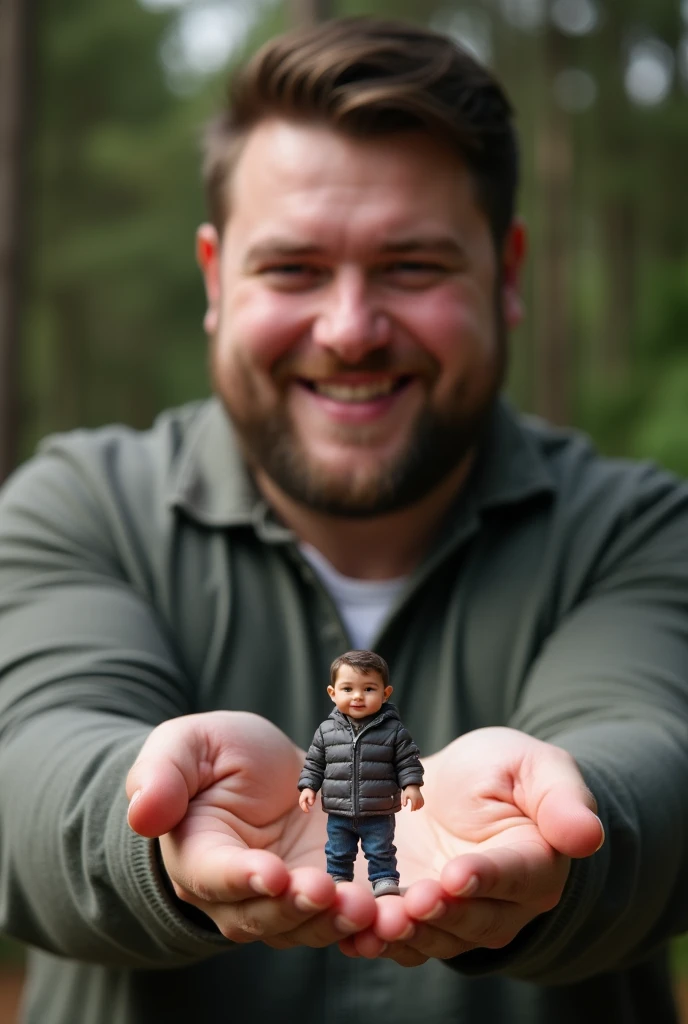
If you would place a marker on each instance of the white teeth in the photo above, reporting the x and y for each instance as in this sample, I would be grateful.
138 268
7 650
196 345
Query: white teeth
354 392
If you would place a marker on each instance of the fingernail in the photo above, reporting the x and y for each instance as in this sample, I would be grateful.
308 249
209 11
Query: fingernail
343 924
437 911
407 934
133 800
302 902
603 836
259 886
385 945
469 888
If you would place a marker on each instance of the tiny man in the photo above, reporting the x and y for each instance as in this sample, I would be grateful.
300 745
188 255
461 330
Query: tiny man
363 758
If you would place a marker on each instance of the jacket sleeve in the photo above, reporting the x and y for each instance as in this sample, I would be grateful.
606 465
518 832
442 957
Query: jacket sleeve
407 760
611 686
313 771
87 669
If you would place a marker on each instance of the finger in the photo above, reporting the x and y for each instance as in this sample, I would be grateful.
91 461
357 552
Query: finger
225 873
392 922
468 924
526 873
404 955
368 945
348 948
438 944
159 797
165 776
352 911
556 797
425 900
451 926
567 820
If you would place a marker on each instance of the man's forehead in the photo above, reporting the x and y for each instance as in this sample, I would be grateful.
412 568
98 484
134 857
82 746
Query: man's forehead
283 162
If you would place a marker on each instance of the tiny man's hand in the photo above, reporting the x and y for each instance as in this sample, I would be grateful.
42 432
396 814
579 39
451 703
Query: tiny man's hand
306 799
412 795
220 791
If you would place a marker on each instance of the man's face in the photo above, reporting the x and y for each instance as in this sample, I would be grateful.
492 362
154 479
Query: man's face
356 309
358 694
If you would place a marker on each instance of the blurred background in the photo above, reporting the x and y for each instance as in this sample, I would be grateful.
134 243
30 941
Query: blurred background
101 107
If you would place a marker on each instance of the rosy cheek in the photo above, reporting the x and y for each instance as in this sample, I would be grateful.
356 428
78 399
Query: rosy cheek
452 324
265 324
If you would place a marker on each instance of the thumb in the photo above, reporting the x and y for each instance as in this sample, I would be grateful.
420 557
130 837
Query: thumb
164 777
566 818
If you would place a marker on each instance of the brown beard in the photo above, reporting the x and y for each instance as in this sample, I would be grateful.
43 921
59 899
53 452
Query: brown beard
440 442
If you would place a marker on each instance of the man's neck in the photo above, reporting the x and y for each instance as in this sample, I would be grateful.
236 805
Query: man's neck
376 548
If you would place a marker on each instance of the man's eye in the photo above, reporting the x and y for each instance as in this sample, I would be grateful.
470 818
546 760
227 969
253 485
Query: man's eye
415 267
290 270
414 273
291 277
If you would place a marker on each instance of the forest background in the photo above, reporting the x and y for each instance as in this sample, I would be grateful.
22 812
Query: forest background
109 309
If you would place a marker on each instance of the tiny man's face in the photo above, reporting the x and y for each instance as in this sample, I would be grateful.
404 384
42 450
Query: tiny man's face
358 310
358 694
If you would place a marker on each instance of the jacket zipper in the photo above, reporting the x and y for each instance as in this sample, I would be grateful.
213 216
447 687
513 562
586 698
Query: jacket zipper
357 736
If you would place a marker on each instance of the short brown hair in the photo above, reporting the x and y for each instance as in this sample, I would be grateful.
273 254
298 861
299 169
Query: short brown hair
367 77
361 661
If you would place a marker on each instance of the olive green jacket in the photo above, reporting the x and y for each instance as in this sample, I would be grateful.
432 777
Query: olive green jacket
142 577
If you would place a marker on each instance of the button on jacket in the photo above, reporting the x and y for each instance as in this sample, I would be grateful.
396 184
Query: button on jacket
142 577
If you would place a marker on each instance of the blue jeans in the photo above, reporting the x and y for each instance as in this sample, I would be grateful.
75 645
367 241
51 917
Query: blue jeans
377 840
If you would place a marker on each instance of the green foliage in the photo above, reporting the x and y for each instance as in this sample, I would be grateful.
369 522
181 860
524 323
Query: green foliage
114 304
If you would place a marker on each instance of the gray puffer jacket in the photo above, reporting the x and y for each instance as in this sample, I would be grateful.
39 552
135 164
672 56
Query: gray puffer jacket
362 772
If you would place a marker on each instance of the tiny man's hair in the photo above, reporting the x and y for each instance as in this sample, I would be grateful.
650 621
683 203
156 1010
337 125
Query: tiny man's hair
361 661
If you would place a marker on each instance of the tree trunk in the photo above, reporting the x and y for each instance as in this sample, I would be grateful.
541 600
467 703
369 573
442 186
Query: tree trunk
555 363
13 27
619 243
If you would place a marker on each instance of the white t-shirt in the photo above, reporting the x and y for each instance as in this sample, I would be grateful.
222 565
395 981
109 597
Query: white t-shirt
362 604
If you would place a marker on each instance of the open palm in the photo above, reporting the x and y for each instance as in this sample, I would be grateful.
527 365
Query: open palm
502 811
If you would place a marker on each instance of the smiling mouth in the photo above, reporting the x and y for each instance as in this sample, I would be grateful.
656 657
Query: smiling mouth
361 392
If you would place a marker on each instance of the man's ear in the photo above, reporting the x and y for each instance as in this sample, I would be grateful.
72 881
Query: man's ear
513 257
208 257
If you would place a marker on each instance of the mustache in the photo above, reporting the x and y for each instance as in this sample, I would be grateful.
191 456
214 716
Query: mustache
323 365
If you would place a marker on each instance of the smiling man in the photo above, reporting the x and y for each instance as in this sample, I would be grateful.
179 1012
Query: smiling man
170 602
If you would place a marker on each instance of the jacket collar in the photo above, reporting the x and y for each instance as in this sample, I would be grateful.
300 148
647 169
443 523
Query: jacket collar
213 486
387 710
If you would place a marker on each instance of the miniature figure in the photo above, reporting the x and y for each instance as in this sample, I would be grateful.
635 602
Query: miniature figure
362 757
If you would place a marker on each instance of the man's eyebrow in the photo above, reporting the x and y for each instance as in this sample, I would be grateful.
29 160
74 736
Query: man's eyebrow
280 248
426 243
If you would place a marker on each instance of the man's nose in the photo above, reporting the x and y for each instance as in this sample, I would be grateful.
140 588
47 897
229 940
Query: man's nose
350 322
